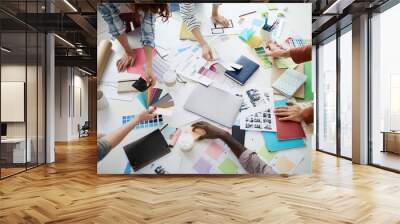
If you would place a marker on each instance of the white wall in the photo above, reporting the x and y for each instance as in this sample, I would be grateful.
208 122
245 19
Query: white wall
69 81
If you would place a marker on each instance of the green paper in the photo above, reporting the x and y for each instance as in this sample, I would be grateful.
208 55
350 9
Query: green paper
265 154
308 93
285 63
228 166
264 14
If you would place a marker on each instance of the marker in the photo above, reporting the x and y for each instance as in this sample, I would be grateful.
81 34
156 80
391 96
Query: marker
247 13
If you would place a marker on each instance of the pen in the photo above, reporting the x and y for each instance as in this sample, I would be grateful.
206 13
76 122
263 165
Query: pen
247 14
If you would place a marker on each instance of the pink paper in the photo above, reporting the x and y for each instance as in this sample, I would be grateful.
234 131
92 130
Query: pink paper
140 60
214 150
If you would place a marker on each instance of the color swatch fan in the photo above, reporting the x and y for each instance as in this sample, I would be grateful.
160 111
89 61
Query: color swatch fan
154 97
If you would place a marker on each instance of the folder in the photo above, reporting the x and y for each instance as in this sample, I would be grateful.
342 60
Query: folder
240 76
274 144
288 129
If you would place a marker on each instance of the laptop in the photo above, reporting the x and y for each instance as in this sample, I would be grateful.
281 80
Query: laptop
214 104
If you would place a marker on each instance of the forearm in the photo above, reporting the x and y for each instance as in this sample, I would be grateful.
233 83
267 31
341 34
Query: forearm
215 10
199 37
118 135
123 40
148 53
236 147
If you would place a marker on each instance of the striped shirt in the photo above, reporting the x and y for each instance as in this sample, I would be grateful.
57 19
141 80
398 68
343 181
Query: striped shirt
110 13
188 14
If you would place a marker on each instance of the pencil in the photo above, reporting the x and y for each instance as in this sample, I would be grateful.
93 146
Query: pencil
247 14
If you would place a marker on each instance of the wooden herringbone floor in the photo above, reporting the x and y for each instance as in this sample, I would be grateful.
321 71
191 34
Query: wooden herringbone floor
70 191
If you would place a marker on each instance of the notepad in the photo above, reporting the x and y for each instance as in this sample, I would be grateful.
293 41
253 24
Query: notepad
288 129
274 144
289 82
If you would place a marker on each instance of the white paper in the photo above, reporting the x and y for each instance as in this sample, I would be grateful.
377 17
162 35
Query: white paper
257 110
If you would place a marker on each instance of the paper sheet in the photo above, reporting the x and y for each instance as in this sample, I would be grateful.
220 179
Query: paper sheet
140 60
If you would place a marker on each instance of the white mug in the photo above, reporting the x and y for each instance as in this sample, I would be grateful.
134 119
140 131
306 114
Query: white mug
102 102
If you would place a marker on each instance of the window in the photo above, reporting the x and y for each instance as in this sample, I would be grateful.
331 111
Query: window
385 89
327 96
346 93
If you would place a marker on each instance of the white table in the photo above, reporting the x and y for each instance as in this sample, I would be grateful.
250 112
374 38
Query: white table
298 23
18 149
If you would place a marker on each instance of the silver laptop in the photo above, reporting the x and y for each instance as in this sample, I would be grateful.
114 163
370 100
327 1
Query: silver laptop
214 104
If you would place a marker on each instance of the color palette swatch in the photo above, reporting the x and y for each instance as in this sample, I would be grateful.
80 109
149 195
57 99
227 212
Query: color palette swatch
155 122
207 72
151 97
214 150
202 166
228 167
260 51
284 165
265 154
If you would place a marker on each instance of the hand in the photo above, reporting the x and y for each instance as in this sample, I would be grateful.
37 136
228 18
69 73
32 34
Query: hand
126 61
292 112
211 132
151 77
275 50
147 114
207 53
217 19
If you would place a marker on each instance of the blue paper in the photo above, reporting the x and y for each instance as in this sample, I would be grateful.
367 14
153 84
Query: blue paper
274 144
281 103
258 22
128 168
246 34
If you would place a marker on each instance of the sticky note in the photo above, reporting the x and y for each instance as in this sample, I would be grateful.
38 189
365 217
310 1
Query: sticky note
214 150
202 166
265 154
284 165
246 34
228 166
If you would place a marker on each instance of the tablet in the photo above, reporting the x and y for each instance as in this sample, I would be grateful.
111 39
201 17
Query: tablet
146 150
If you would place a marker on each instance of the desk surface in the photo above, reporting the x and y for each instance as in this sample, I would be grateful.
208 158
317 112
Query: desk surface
297 23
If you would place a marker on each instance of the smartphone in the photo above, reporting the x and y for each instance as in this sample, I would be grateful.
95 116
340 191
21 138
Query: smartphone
238 134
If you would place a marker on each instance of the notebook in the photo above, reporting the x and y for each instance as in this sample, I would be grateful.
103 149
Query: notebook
214 104
146 150
242 75
289 82
288 129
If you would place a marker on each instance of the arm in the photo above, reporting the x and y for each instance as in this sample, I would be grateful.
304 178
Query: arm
249 160
301 54
187 11
147 38
110 13
111 140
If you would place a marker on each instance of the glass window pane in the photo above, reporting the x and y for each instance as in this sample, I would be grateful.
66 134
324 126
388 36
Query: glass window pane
346 94
13 84
327 97
385 89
